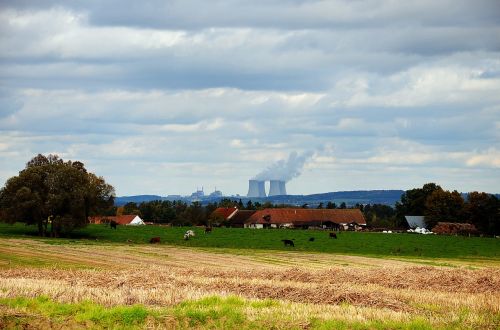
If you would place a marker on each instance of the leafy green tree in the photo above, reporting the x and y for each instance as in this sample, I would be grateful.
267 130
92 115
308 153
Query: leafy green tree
194 214
56 196
250 206
331 205
321 205
343 205
380 215
413 200
445 206
131 208
483 211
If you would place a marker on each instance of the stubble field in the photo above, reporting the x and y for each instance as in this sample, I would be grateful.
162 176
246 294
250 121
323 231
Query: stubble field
141 286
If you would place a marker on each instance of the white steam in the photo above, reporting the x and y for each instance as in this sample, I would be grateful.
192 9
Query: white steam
285 170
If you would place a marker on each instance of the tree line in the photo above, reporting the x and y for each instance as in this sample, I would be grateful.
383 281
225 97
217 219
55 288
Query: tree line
58 196
431 201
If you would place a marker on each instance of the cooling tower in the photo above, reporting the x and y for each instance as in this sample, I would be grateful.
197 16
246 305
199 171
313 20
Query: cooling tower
282 188
256 188
274 188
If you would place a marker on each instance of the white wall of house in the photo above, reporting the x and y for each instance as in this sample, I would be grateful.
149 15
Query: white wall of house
137 221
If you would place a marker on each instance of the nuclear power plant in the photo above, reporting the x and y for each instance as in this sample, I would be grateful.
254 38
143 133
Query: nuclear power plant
278 174
257 188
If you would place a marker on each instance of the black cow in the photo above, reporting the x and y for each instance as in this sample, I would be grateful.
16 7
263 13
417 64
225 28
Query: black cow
288 242
208 230
113 224
333 235
311 239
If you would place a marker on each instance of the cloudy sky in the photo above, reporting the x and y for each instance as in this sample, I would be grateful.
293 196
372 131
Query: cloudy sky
160 97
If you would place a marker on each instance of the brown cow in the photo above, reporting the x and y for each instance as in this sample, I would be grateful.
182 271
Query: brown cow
154 240
333 235
208 230
288 242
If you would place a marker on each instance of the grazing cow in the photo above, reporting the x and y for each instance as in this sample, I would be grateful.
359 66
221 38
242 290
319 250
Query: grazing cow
113 224
188 234
154 240
208 230
288 242
311 239
333 235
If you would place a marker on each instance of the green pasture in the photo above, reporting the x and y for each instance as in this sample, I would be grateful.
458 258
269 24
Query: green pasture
352 243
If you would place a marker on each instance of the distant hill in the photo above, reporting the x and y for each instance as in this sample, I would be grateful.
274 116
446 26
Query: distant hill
119 201
388 197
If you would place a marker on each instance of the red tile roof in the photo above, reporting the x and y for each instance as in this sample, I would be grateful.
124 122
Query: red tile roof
241 217
303 216
225 212
120 219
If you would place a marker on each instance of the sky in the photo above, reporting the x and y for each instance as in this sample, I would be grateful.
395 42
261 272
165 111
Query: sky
164 97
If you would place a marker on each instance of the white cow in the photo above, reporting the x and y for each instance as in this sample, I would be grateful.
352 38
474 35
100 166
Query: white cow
189 234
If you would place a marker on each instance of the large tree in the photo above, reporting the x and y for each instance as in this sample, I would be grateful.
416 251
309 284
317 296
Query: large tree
413 200
483 211
55 195
444 206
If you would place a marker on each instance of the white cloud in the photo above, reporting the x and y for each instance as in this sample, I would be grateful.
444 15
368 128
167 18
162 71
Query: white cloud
393 95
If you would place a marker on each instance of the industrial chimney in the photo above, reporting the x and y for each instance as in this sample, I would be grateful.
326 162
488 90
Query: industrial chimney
256 188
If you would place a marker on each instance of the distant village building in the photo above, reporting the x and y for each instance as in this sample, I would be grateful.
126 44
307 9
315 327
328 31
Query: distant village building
215 194
124 220
344 219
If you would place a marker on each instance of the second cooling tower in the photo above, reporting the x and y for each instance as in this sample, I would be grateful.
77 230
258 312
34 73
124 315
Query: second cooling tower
256 188
277 187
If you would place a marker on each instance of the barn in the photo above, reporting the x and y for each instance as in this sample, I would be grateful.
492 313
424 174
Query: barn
124 220
344 219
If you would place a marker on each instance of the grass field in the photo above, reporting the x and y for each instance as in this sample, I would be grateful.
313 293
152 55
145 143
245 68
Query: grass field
107 283
353 243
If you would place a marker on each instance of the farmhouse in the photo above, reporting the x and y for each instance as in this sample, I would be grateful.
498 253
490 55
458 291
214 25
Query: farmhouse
231 216
224 212
304 218
124 220
238 220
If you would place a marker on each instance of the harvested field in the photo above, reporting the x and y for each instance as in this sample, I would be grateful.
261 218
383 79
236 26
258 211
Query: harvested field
306 286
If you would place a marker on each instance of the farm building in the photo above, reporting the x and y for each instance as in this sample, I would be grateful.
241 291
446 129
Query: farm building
224 212
125 220
415 221
304 218
231 216
238 220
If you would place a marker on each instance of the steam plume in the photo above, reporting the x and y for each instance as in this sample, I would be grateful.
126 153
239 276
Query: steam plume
285 170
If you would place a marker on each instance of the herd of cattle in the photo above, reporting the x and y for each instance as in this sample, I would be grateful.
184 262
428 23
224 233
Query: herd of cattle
208 230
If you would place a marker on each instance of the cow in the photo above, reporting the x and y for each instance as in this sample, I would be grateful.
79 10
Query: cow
311 239
333 235
188 234
208 230
113 224
154 240
288 242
